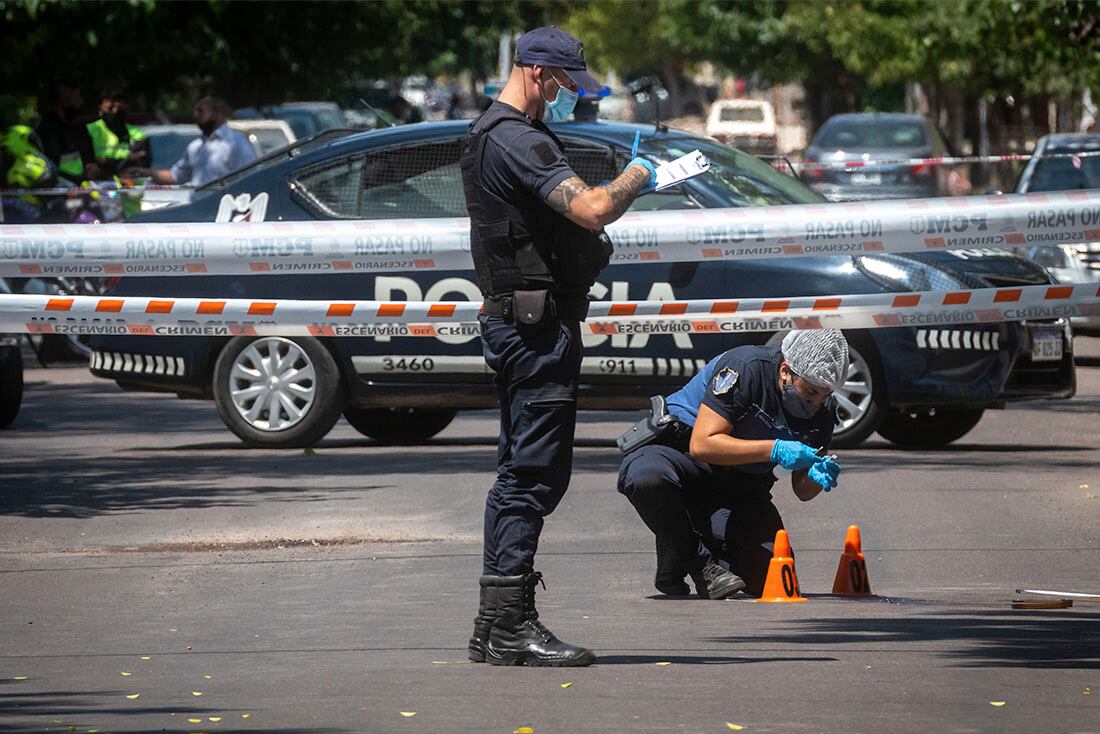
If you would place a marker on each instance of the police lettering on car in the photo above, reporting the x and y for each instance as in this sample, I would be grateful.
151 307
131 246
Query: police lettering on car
699 470
537 241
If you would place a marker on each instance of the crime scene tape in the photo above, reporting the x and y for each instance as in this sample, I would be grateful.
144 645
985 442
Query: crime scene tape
318 247
97 189
146 316
871 165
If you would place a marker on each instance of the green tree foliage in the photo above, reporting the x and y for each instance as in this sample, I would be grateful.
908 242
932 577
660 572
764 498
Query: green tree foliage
251 52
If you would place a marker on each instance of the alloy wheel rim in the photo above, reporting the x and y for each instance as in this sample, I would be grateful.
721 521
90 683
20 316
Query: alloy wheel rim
854 396
273 384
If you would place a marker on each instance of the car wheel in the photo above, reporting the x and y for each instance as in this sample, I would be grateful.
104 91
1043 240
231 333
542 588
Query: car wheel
275 392
399 425
929 429
11 387
861 400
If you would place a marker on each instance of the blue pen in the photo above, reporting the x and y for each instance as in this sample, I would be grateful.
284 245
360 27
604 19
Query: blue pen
634 148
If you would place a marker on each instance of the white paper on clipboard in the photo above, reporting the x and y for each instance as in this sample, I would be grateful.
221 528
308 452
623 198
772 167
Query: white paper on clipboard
681 169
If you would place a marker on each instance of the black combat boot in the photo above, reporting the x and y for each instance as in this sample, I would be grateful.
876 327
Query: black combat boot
715 582
517 636
483 622
670 574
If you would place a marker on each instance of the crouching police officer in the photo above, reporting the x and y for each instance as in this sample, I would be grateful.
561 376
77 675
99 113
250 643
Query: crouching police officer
536 236
700 473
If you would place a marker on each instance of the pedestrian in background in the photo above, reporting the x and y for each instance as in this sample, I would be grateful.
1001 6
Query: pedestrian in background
116 144
65 139
217 152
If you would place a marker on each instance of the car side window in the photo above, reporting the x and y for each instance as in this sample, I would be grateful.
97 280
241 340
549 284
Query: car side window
410 182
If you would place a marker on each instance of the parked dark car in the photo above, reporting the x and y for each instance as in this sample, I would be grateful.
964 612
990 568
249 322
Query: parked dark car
304 118
1066 171
924 386
11 373
864 138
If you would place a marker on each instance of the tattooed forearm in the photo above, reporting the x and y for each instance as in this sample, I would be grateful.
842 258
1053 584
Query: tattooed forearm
624 189
561 198
595 206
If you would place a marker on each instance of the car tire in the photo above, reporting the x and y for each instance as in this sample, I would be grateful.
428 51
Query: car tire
11 387
298 377
862 402
399 425
929 429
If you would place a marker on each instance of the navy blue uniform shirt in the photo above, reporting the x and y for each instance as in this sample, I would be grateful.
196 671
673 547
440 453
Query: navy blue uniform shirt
742 386
522 160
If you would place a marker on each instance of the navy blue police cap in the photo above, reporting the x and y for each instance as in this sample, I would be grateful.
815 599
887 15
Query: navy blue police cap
551 46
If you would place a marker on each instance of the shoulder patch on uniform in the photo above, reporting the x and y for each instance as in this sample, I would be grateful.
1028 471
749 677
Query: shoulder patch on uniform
545 153
724 381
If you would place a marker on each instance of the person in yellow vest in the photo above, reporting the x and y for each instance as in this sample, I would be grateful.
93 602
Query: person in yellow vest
116 144
23 165
63 133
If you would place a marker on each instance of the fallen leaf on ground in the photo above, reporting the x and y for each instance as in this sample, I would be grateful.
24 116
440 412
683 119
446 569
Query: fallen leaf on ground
407 714
124 674
566 685
246 716
734 727
207 677
524 730
1083 486
132 696
196 693
998 704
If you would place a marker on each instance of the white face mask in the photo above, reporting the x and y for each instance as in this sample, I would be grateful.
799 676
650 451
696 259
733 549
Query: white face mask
562 107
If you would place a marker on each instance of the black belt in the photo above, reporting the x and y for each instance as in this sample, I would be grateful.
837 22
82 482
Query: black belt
572 308
498 306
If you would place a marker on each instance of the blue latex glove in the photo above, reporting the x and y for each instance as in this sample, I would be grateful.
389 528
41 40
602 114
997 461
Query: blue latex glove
651 184
793 455
824 474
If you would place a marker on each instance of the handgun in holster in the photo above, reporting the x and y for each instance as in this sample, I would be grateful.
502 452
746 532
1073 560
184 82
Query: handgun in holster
649 429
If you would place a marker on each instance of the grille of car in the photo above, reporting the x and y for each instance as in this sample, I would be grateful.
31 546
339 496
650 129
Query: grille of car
1088 255
146 364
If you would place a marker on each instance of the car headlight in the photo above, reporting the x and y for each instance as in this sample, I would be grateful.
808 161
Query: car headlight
904 274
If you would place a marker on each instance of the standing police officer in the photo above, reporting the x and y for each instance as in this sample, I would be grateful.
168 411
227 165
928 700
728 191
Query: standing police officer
536 236
701 476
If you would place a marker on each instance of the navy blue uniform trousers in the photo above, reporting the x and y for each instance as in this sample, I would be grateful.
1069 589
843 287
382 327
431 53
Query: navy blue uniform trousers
536 380
703 512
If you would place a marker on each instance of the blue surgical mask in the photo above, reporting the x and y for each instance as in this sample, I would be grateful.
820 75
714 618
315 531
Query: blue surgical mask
796 406
562 107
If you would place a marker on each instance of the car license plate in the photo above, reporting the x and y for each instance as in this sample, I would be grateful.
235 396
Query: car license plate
867 179
1046 346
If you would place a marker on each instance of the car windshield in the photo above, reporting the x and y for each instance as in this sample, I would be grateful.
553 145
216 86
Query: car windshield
848 134
1066 174
741 114
741 179
298 147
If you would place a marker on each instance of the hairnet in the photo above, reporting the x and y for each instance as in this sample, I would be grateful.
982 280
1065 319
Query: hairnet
819 356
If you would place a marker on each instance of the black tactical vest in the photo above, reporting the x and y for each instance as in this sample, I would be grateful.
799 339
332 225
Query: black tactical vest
524 245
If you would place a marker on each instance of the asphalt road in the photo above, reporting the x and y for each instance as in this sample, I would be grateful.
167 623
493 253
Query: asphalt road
146 558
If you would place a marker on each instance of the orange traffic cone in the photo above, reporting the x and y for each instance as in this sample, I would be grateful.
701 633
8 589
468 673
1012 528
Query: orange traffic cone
851 574
782 583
